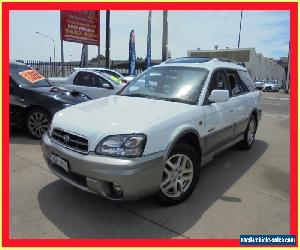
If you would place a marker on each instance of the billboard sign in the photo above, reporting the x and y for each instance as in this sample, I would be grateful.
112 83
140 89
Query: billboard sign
80 26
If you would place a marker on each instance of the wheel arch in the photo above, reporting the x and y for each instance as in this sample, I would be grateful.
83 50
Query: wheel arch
255 113
188 135
32 107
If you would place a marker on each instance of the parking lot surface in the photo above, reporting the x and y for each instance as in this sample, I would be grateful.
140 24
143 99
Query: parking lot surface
239 192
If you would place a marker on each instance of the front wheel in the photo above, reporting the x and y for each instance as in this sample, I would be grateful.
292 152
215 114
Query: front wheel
180 175
37 122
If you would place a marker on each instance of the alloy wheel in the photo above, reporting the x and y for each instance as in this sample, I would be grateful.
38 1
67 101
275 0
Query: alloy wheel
38 124
251 131
177 175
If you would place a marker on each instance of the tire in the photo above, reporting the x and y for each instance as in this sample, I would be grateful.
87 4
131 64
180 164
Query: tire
178 182
37 122
249 134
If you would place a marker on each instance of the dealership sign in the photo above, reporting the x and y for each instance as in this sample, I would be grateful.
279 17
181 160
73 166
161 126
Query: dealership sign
80 26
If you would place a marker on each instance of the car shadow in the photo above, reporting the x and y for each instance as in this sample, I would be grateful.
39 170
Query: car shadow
21 136
82 215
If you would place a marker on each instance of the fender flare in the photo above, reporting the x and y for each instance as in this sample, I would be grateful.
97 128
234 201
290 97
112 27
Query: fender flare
178 135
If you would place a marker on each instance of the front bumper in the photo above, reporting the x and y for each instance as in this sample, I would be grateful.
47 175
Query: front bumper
138 177
269 88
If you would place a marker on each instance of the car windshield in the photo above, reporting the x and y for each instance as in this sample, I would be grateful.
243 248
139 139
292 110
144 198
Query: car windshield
110 72
26 76
117 81
177 84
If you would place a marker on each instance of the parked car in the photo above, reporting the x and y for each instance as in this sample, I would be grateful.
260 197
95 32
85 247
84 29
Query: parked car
34 99
124 79
271 86
155 134
90 82
117 76
259 84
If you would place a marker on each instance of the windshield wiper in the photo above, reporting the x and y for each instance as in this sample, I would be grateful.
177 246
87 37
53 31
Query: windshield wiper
174 99
170 99
142 95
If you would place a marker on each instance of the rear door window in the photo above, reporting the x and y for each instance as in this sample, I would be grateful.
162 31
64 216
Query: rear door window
236 84
247 80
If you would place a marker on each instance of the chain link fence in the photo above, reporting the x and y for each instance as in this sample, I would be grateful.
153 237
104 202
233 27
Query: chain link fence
54 69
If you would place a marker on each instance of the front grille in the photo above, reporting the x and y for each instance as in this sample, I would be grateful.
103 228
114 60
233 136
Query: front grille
70 141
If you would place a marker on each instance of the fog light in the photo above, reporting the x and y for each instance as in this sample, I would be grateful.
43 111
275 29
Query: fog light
116 189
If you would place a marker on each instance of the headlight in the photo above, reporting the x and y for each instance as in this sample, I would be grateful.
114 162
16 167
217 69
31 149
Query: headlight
65 105
122 145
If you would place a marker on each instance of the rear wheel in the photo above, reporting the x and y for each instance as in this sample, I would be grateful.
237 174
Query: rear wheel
249 134
180 175
37 122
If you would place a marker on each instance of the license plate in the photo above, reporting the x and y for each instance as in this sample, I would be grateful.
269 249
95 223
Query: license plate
59 162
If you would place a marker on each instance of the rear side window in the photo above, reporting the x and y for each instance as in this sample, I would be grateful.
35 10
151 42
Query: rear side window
247 80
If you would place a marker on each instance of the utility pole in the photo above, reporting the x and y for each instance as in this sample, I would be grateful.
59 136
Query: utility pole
62 58
240 29
287 84
107 42
165 36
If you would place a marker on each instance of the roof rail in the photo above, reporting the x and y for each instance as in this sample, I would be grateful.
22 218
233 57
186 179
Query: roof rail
189 60
201 60
222 59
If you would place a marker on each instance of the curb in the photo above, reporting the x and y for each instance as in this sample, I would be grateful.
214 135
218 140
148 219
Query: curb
276 98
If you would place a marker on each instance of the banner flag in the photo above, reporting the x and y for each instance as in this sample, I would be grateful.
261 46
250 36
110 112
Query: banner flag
132 55
148 56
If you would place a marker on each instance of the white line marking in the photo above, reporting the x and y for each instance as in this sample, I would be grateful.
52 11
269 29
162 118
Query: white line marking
275 104
277 116
276 98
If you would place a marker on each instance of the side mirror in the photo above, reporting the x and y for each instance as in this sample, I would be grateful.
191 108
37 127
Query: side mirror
106 86
218 95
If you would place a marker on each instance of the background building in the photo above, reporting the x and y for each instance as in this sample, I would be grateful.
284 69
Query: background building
259 67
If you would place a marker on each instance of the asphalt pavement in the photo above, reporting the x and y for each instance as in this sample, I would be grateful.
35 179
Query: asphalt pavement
239 192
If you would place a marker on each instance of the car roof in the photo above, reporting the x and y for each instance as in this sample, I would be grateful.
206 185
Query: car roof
92 69
203 62
17 63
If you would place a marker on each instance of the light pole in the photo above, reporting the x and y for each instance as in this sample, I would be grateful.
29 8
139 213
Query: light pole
51 40
240 29
165 36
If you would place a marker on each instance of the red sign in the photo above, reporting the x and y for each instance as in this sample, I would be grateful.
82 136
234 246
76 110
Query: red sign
80 26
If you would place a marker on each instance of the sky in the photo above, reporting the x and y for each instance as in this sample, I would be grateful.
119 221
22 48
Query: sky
266 31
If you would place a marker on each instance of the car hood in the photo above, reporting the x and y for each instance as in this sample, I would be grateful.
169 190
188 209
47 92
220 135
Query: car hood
58 79
61 94
114 115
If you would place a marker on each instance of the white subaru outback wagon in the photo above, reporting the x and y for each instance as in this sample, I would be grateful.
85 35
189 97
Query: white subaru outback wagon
156 133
